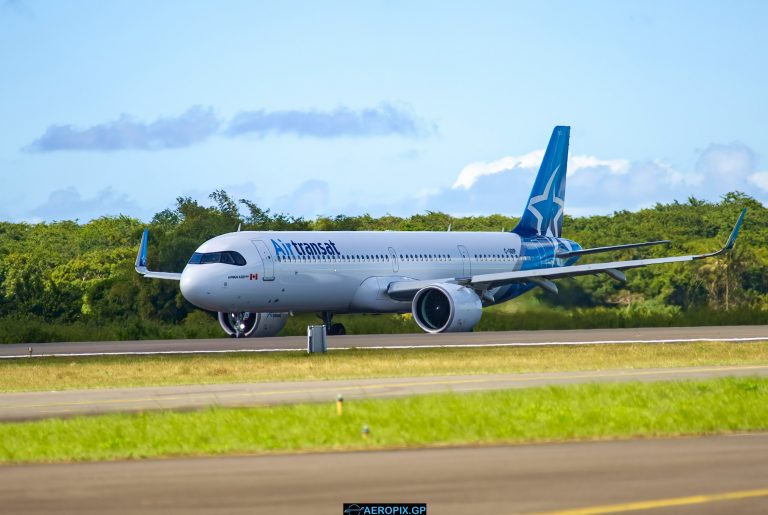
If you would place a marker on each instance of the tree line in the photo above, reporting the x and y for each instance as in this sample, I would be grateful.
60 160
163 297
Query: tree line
67 272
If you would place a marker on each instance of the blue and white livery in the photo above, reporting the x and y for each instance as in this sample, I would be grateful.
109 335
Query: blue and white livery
255 279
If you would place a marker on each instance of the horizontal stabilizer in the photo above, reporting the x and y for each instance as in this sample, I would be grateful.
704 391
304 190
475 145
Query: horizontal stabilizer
596 250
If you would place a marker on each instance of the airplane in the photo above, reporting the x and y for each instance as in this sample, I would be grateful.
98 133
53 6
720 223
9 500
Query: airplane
255 279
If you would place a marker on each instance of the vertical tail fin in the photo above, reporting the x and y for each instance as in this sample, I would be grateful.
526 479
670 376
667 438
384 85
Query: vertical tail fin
543 214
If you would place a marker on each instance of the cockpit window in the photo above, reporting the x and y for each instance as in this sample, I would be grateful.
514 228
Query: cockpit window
211 257
229 257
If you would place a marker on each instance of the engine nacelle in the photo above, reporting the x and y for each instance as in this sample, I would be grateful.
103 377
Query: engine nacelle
254 325
446 308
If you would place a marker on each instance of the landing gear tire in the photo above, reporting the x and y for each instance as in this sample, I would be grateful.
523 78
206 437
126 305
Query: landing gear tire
337 330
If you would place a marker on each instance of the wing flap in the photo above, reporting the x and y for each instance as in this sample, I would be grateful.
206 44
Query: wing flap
595 250
492 280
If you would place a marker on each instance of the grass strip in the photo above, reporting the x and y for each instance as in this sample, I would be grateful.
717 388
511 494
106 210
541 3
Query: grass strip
575 412
126 371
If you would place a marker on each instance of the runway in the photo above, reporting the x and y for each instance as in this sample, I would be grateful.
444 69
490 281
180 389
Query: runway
394 341
724 474
35 405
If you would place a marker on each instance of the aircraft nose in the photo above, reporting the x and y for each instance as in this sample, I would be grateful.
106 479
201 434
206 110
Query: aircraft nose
194 288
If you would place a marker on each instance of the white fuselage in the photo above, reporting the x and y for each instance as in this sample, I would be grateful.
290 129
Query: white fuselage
344 272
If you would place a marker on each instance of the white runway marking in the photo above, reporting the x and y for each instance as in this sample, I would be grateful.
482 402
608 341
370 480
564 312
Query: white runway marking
382 347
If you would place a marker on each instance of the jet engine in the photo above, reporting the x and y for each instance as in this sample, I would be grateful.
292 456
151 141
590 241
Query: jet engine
446 308
253 325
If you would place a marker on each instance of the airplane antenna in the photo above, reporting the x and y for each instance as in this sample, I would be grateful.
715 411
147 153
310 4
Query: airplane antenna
239 226
449 227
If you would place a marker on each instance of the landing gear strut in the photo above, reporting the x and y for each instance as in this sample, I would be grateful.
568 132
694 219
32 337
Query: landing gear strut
332 329
239 321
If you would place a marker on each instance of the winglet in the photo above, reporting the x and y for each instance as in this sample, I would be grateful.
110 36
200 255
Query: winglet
735 232
141 263
731 239
141 257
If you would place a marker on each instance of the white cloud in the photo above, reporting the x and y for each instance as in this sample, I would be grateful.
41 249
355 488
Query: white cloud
727 165
674 177
472 172
309 200
69 204
599 186
759 179
614 166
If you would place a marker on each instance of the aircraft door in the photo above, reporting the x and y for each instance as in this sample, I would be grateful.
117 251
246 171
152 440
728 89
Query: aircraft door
266 259
393 257
465 258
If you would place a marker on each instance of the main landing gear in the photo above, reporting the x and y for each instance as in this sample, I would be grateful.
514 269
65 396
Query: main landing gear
332 329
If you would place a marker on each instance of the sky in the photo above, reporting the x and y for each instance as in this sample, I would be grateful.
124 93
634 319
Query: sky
326 108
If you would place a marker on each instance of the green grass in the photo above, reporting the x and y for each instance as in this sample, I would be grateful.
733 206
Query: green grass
578 412
125 371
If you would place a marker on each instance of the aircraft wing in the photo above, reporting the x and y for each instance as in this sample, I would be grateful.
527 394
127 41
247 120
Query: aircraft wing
141 263
404 290
595 250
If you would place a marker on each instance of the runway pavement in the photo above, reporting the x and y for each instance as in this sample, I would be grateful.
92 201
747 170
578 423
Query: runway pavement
711 475
32 405
479 339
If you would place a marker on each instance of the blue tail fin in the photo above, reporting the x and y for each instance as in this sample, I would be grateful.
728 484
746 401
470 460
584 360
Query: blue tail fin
543 215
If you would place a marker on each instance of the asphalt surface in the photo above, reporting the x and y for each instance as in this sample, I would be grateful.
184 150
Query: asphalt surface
33 405
693 473
562 337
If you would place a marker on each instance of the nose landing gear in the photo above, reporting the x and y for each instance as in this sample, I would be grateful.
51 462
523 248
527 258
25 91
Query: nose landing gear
330 328
238 325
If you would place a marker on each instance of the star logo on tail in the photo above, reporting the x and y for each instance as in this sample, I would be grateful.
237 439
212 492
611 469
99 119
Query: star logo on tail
554 223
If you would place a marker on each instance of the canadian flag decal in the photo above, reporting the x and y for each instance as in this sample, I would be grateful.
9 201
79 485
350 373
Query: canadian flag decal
254 277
